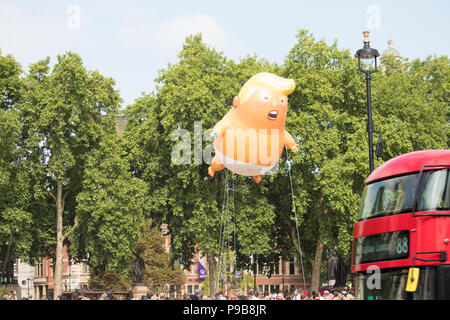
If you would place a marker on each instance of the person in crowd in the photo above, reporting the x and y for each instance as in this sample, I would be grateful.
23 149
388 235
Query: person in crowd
349 297
186 296
13 296
292 295
305 294
149 295
197 295
337 295
104 296
329 296
253 295
219 295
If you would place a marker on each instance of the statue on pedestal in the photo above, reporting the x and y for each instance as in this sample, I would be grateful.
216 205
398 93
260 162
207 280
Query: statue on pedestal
138 269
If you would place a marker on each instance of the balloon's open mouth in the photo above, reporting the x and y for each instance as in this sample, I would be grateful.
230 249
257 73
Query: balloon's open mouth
272 115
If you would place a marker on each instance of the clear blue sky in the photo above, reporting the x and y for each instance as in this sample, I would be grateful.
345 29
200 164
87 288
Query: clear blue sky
131 40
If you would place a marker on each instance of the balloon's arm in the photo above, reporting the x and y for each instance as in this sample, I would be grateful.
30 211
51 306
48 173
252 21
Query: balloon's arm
219 129
289 142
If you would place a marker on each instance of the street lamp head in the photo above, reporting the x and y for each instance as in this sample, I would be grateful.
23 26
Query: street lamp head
367 55
366 36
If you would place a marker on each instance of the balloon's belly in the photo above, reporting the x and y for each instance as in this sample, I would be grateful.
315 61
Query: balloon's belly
245 168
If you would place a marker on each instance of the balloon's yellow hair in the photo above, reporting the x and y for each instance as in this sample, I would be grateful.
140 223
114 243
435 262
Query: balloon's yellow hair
266 80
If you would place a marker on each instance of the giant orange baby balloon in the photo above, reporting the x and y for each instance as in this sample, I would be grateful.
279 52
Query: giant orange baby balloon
250 138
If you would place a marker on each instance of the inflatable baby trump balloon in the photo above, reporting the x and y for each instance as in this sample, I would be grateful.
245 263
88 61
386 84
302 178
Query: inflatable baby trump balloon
250 138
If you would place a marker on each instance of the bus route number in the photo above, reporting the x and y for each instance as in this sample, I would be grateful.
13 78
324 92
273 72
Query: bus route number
402 245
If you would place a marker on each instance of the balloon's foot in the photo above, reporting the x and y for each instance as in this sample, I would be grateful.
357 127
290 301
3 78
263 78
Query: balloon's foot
257 179
211 172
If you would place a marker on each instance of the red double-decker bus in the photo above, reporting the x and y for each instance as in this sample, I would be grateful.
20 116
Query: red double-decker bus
401 239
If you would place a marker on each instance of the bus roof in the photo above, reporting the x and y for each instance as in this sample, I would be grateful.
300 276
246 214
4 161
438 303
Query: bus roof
408 163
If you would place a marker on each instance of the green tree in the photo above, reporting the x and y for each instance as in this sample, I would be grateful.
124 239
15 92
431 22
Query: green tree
61 113
159 269
15 193
412 106
109 280
110 210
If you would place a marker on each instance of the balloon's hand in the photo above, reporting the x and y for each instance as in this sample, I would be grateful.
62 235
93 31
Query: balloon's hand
294 148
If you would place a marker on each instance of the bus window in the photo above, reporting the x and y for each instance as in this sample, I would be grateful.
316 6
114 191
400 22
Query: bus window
399 197
435 191
390 196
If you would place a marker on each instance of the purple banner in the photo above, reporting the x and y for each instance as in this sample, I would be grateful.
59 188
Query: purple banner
201 271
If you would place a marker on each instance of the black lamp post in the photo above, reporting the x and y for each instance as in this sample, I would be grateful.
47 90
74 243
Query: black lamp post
368 56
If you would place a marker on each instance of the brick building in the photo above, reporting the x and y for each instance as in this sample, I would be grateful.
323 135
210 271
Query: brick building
36 281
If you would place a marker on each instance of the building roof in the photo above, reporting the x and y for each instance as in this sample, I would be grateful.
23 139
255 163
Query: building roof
390 50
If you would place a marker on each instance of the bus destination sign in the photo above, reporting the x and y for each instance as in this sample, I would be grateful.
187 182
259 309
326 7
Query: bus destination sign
382 247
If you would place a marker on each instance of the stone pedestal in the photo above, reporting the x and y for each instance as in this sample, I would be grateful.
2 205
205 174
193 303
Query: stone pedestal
139 290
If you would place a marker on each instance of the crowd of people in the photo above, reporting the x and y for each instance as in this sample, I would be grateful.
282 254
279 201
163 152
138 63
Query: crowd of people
258 295
198 295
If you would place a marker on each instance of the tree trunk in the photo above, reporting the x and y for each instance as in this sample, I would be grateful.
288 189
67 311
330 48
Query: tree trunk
212 266
295 239
59 242
315 277
315 281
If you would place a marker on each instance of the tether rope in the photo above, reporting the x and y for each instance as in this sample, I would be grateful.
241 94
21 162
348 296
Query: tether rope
224 223
289 164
